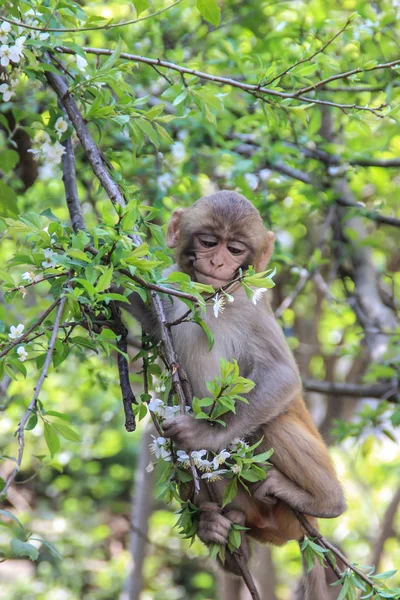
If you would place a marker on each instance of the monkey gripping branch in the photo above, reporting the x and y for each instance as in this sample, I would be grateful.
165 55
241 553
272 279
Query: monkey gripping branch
95 271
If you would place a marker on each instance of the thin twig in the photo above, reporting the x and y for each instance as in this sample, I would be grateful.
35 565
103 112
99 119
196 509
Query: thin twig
318 84
32 405
326 544
386 529
308 58
93 28
45 278
31 328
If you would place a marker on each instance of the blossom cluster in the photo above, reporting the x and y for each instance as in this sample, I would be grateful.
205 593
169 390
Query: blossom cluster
162 410
15 334
48 151
220 299
210 469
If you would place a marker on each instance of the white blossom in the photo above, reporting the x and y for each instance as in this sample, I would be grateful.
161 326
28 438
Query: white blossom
229 297
7 92
214 476
81 63
201 463
235 469
5 27
22 353
156 406
220 458
16 332
61 126
43 36
150 467
265 174
170 412
51 262
257 295
4 31
50 153
53 152
28 276
164 182
219 305
178 151
158 447
252 181
239 446
12 53
183 457
162 410
19 43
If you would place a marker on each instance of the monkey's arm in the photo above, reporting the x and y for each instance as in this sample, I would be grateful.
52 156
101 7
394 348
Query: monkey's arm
143 314
276 387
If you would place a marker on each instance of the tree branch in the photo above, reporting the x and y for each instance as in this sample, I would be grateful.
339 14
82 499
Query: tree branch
354 390
71 190
386 529
246 87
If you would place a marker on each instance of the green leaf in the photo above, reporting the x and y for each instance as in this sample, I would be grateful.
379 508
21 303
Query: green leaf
210 11
8 160
229 492
32 422
140 6
8 201
51 437
55 413
67 432
20 548
113 58
147 128
9 515
104 280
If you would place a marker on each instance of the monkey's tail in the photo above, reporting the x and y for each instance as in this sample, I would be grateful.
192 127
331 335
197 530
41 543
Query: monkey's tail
313 584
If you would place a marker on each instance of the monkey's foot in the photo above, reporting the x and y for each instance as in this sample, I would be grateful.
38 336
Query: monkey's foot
214 528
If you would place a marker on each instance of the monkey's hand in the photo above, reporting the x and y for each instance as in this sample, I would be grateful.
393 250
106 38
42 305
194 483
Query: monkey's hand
190 434
268 490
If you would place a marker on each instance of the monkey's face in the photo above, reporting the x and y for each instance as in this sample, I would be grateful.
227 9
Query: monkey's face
218 235
214 260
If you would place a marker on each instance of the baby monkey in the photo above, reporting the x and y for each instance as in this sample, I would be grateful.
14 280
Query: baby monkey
214 238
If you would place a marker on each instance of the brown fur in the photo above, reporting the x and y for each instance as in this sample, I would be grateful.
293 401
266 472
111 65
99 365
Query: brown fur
303 476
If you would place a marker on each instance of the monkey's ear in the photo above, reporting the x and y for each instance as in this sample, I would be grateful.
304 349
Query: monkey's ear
174 226
268 250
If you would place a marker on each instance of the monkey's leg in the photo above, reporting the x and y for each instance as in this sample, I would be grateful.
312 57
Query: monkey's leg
214 528
304 476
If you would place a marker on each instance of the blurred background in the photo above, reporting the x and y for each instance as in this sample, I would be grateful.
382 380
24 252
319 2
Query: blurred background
324 179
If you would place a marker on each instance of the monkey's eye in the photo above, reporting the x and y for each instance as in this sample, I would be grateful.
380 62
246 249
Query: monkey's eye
208 243
235 251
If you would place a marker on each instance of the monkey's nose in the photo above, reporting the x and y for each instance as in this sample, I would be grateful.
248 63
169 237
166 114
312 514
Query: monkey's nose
214 263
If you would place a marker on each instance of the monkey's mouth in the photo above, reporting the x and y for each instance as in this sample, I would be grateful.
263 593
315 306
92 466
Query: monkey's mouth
207 278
